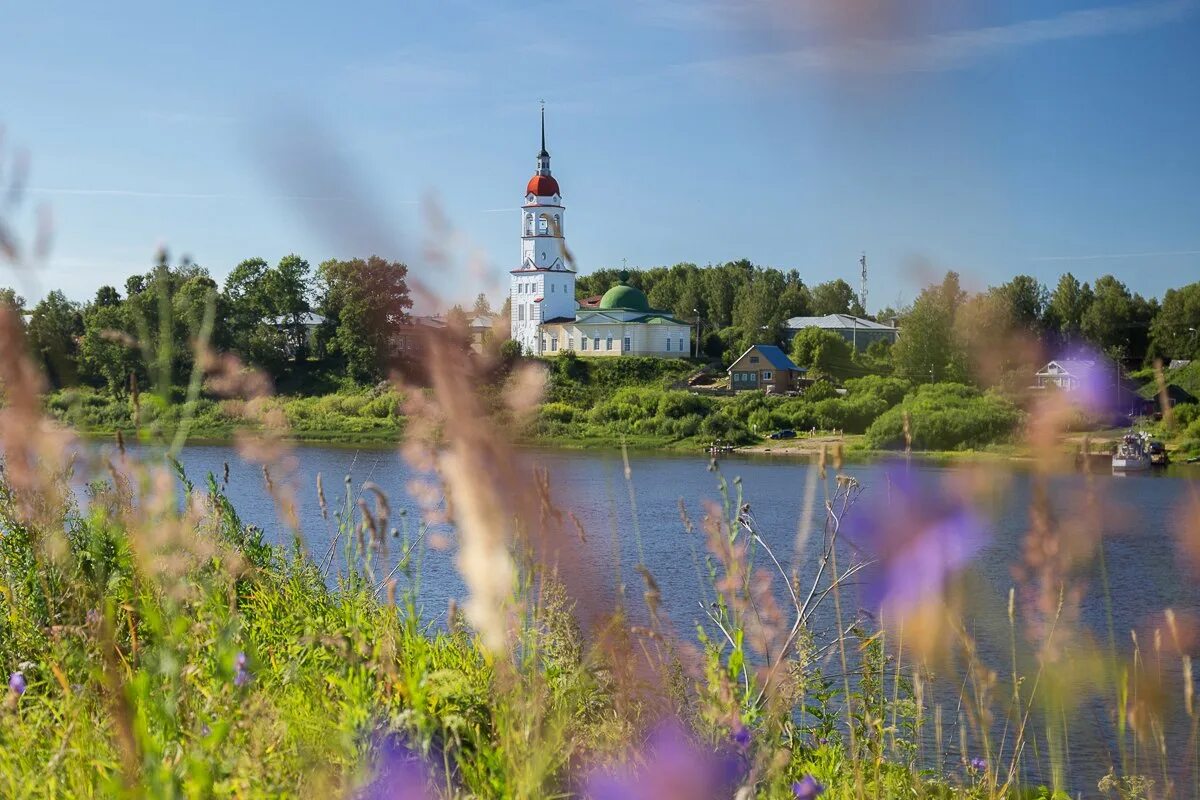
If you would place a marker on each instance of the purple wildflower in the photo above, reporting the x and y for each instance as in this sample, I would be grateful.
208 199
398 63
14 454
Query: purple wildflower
241 675
672 768
741 736
93 617
16 683
205 730
807 788
978 764
400 774
916 536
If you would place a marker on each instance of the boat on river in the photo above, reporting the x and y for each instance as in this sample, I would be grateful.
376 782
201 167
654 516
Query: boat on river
1132 453
1158 454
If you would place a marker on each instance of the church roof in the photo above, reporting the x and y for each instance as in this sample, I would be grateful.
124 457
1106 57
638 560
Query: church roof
625 297
543 186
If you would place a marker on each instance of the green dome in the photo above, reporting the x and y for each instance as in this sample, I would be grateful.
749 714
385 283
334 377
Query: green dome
626 298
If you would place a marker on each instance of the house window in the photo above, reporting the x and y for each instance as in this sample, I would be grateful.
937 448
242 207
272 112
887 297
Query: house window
767 375
521 312
552 287
668 344
583 343
570 342
543 344
628 344
608 343
753 359
553 344
596 343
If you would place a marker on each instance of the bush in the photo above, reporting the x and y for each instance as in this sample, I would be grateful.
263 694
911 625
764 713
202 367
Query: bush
820 390
558 412
679 403
890 390
944 416
1186 413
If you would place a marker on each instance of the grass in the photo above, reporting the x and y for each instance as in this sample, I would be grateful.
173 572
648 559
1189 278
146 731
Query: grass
164 650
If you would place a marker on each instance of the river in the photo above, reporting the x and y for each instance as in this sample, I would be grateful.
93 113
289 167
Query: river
1141 573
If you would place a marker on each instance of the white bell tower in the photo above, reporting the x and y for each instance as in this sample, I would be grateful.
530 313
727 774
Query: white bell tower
543 287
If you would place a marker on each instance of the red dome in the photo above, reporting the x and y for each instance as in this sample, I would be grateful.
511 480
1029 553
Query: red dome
542 186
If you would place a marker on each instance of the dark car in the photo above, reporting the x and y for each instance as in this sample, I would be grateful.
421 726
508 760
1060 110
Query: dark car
786 434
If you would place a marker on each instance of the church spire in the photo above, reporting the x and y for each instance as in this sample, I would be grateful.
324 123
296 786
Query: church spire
543 153
543 158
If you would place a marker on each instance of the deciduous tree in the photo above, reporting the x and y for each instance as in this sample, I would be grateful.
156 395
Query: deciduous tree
365 302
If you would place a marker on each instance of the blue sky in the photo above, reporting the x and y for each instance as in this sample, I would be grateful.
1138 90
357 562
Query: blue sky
991 139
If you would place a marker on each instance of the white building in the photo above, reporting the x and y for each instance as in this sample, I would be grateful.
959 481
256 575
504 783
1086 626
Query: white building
545 317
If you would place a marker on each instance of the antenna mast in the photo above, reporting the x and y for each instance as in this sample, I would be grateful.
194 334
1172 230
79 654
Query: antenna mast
862 262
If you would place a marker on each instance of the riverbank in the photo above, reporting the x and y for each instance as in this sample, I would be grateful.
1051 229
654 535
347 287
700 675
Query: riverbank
639 418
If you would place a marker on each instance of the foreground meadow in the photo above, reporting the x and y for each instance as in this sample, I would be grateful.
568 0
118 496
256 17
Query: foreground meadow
158 647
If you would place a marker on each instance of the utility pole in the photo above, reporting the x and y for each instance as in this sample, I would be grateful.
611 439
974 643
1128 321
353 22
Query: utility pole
862 262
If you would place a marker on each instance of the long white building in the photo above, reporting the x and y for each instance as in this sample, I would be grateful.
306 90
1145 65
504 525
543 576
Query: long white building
547 319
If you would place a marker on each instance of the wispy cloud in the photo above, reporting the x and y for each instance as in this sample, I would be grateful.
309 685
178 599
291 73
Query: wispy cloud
935 52
1118 256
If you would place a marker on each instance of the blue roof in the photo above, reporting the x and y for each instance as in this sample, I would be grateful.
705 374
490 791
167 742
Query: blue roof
776 357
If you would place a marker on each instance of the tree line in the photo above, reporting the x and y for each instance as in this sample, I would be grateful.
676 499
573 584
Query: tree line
144 333
947 333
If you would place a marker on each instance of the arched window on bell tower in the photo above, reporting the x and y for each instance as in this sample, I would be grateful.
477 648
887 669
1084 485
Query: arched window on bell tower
528 224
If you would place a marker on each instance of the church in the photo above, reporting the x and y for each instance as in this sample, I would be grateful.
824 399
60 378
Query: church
545 316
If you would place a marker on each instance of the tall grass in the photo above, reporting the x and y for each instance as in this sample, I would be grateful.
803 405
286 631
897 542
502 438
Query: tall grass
157 646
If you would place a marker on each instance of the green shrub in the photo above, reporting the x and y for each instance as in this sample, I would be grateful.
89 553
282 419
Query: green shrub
1186 413
558 412
946 417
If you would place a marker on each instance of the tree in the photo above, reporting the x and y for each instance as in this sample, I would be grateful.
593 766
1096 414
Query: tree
14 301
997 333
1066 307
722 286
107 296
54 327
286 289
926 349
1175 332
245 299
1026 300
11 299
165 316
757 312
835 297
482 307
364 303
824 353
796 300
1109 318
106 357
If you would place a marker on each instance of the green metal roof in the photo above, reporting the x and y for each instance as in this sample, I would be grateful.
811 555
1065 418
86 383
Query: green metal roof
624 297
